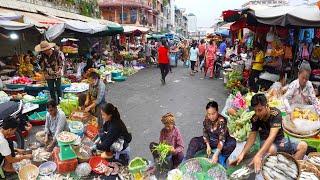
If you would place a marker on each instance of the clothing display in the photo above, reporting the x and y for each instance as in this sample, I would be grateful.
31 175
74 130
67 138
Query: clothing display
288 53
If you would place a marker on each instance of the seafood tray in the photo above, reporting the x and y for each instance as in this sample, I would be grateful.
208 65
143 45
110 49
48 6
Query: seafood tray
243 173
314 158
280 166
202 168
308 169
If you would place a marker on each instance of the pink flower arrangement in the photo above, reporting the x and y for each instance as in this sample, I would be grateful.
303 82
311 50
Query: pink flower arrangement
239 102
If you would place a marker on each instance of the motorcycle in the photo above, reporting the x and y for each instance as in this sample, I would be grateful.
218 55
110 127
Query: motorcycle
14 109
218 65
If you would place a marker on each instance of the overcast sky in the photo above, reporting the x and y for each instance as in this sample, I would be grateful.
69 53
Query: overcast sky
209 10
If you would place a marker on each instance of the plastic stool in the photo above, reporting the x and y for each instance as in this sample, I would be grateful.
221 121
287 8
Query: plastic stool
2 173
125 151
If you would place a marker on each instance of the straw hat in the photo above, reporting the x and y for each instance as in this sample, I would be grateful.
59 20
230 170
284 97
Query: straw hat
44 45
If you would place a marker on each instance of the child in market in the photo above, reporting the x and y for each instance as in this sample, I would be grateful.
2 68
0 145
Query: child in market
170 135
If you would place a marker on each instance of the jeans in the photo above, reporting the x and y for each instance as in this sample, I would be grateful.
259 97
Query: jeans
164 68
54 86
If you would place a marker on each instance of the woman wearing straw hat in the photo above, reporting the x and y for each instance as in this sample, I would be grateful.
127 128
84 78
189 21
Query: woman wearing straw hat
51 66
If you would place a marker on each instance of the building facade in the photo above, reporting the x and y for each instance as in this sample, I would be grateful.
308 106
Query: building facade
84 7
181 22
265 3
192 25
153 14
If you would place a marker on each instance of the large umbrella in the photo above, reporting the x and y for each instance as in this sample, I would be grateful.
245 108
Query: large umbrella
302 15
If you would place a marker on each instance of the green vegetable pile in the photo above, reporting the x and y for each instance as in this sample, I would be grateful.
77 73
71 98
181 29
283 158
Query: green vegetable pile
128 71
240 125
69 104
163 150
234 80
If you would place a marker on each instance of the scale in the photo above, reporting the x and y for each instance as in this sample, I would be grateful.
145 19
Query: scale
66 151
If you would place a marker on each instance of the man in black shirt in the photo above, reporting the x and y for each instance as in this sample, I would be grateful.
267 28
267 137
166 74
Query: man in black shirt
268 122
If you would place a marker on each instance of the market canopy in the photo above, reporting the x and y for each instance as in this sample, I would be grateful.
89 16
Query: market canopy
302 15
132 29
77 26
13 25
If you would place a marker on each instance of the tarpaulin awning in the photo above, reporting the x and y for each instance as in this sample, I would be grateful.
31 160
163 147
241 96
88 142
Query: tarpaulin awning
38 20
223 32
76 26
231 15
8 15
131 29
302 15
13 25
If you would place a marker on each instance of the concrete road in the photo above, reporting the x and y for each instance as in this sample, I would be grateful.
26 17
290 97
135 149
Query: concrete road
142 100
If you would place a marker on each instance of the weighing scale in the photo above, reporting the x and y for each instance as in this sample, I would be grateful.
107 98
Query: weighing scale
66 151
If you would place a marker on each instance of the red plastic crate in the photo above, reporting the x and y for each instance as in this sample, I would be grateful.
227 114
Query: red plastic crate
64 166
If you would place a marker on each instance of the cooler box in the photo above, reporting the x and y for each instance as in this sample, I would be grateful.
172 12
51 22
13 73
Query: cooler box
64 166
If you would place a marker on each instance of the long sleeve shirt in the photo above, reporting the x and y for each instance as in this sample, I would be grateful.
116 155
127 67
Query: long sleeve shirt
172 138
55 125
297 95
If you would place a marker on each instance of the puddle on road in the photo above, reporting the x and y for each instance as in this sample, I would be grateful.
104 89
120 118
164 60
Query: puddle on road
176 81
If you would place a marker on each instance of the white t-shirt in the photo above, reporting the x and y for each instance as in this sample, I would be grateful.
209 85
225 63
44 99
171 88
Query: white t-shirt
4 146
194 54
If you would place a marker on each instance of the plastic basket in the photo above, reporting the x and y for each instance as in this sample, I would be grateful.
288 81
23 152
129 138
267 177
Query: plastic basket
79 131
40 101
119 78
137 169
94 162
27 171
38 118
205 167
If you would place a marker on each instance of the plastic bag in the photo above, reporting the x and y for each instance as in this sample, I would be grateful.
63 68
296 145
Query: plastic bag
83 169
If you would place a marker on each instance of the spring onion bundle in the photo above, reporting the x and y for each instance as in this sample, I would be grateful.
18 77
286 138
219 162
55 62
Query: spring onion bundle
163 150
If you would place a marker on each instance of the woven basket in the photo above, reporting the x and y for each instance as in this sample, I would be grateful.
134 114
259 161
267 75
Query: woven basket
306 166
288 157
289 129
314 154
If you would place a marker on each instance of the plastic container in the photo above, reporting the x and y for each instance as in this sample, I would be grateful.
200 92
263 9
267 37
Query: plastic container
115 74
119 78
49 165
78 131
95 161
91 131
64 166
38 118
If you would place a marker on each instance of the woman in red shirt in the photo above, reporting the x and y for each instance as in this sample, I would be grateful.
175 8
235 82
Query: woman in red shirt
163 60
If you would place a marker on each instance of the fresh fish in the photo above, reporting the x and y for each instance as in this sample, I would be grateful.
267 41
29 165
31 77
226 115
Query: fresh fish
266 173
272 160
283 159
308 176
240 173
275 169
268 170
287 171
270 164
279 176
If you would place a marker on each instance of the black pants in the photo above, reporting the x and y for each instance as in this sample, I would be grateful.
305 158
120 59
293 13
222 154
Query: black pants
254 86
54 86
164 68
201 58
193 63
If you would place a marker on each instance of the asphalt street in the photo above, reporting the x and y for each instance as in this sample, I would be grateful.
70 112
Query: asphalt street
142 100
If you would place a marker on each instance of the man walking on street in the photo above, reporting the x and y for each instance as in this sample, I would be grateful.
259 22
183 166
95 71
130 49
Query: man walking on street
148 53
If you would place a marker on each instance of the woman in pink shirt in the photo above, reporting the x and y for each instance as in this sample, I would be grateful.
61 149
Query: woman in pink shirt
210 57
170 135
202 52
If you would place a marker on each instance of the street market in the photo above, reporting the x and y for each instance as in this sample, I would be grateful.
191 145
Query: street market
59 120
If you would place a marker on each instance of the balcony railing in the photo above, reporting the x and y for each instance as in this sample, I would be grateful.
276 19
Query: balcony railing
126 3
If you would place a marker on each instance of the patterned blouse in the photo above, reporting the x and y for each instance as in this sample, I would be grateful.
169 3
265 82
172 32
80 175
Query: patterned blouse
296 95
51 66
215 127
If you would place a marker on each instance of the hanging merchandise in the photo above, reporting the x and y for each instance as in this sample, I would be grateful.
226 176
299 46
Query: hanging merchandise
288 52
316 52
306 35
270 35
318 33
305 51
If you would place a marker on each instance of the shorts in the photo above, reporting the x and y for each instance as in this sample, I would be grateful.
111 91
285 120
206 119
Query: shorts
287 145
